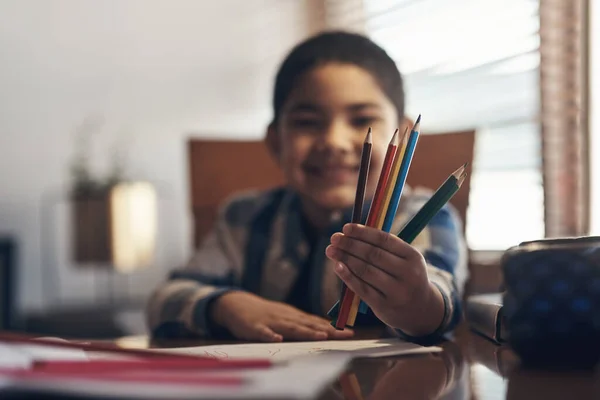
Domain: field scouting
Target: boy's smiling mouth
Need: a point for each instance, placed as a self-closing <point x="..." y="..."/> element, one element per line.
<point x="334" y="173"/>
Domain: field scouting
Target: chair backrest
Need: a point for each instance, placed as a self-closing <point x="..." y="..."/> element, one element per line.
<point x="220" y="168"/>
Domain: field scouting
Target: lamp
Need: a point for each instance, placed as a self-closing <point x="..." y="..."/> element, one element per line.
<point x="133" y="222"/>
<point x="117" y="227"/>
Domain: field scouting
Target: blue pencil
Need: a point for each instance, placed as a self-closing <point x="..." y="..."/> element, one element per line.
<point x="404" y="167"/>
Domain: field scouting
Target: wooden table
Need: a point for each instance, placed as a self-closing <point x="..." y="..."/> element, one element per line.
<point x="470" y="367"/>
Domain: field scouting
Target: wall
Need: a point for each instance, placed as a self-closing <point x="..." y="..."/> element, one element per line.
<point x="150" y="73"/>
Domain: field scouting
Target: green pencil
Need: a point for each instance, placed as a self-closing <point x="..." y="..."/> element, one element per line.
<point x="441" y="196"/>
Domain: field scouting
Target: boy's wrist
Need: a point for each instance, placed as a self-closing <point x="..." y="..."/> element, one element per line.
<point x="438" y="306"/>
<point x="218" y="312"/>
<point x="215" y="322"/>
<point x="430" y="317"/>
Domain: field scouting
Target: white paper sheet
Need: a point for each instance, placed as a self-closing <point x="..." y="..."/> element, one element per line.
<point x="13" y="355"/>
<point x="289" y="350"/>
<point x="10" y="357"/>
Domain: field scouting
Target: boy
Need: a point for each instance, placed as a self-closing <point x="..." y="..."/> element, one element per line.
<point x="272" y="265"/>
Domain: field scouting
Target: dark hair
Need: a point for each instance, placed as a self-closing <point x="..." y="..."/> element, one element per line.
<point x="344" y="48"/>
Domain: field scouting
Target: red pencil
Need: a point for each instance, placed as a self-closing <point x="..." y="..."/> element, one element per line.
<point x="82" y="367"/>
<point x="89" y="346"/>
<point x="383" y="178"/>
<point x="108" y="348"/>
<point x="348" y="297"/>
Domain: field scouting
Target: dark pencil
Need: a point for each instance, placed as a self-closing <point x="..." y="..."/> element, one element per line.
<point x="444" y="193"/>
<point x="359" y="200"/>
<point x="441" y="196"/>
<point x="363" y="174"/>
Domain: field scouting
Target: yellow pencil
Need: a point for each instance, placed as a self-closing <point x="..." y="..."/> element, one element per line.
<point x="353" y="311"/>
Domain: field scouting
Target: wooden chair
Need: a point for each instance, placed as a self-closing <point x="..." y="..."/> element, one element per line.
<point x="220" y="168"/>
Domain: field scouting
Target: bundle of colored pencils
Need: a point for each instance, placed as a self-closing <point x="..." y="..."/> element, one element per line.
<point x="385" y="204"/>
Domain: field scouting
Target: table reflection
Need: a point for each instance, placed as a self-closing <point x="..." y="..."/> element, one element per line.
<point x="428" y="376"/>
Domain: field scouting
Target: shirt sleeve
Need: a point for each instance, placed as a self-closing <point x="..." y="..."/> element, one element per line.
<point x="443" y="246"/>
<point x="179" y="307"/>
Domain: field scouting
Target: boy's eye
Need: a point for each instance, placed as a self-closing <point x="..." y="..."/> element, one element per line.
<point x="305" y="123"/>
<point x="364" y="121"/>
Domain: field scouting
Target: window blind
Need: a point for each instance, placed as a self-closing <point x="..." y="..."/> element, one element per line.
<point x="565" y="123"/>
<point x="593" y="45"/>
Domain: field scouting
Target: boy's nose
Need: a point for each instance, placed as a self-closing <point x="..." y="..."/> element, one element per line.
<point x="338" y="137"/>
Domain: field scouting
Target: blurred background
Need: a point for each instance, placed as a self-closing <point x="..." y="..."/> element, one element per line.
<point x="108" y="94"/>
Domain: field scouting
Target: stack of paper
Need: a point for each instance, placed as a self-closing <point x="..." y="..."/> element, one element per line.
<point x="303" y="379"/>
<point x="292" y="370"/>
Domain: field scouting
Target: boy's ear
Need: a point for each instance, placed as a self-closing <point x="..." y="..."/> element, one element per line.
<point x="273" y="142"/>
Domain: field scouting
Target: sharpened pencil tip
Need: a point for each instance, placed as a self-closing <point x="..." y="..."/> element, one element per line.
<point x="405" y="134"/>
<point x="461" y="179"/>
<point x="394" y="139"/>
<point x="460" y="171"/>
<point x="368" y="138"/>
<point x="417" y="124"/>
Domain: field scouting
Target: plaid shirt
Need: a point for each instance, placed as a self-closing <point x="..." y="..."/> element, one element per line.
<point x="258" y="245"/>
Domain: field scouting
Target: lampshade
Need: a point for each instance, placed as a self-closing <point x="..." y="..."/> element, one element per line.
<point x="133" y="225"/>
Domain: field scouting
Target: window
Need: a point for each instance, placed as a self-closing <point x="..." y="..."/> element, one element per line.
<point x="475" y="64"/>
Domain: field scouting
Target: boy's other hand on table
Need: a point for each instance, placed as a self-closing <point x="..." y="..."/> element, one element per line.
<point x="250" y="317"/>
<point x="390" y="275"/>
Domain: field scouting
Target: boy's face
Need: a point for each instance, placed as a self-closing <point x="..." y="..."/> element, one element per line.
<point x="319" y="137"/>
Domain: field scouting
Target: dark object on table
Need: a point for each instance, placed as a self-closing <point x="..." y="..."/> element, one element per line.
<point x="91" y="321"/>
<point x="552" y="301"/>
<point x="7" y="283"/>
<point x="484" y="315"/>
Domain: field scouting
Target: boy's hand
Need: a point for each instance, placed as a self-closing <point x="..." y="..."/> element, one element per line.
<point x="251" y="317"/>
<point x="390" y="276"/>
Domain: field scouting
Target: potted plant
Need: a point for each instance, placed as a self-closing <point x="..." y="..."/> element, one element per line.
<point x="90" y="205"/>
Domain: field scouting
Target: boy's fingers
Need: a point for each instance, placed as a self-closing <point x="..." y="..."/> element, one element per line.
<point x="375" y="278"/>
<point x="331" y="331"/>
<point x="322" y="325"/>
<point x="379" y="238"/>
<point x="264" y="333"/>
<point x="296" y="331"/>
<point x="358" y="286"/>
<point x="315" y="323"/>
<point x="374" y="255"/>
